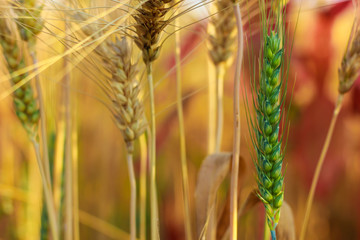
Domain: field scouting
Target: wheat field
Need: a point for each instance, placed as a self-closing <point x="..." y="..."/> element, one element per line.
<point x="179" y="119"/>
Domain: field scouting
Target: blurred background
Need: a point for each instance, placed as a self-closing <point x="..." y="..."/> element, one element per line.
<point x="320" y="39"/>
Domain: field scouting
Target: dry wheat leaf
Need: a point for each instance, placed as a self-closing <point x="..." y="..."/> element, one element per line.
<point x="286" y="227"/>
<point x="212" y="173"/>
<point x="248" y="203"/>
<point x="224" y="218"/>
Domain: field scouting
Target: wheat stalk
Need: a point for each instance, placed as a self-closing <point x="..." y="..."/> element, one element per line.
<point x="150" y="22"/>
<point x="268" y="105"/>
<point x="30" y="24"/>
<point x="221" y="40"/>
<point x="348" y="73"/>
<point x="237" y="126"/>
<point x="127" y="108"/>
<point x="27" y="110"/>
<point x="184" y="168"/>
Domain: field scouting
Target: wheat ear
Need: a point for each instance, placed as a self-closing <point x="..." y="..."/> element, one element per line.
<point x="26" y="108"/>
<point x="150" y="23"/>
<point x="221" y="39"/>
<point x="268" y="150"/>
<point x="349" y="71"/>
<point x="127" y="107"/>
<point x="30" y="24"/>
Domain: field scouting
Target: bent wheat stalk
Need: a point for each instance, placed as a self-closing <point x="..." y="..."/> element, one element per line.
<point x="348" y="73"/>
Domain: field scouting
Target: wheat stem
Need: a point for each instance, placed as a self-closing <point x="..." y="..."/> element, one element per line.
<point x="266" y="229"/>
<point x="43" y="127"/>
<point x="143" y="161"/>
<point x="68" y="162"/>
<point x="319" y="164"/>
<point x="75" y="161"/>
<point x="130" y="163"/>
<point x="273" y="234"/>
<point x="220" y="75"/>
<point x="212" y="109"/>
<point x="47" y="192"/>
<point x="184" y="167"/>
<point x="153" y="194"/>
<point x="236" y="141"/>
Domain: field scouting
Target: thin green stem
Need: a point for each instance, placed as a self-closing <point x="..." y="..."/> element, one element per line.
<point x="153" y="192"/>
<point x="143" y="152"/>
<point x="129" y="157"/>
<point x="184" y="167"/>
<point x="319" y="166"/>
<point x="236" y="141"/>
<point x="47" y="192"/>
<point x="220" y="74"/>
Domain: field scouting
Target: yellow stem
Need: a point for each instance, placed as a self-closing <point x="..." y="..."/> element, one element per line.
<point x="47" y="192"/>
<point x="236" y="142"/>
<point x="220" y="74"/>
<point x="153" y="194"/>
<point x="129" y="157"/>
<point x="184" y="167"/>
<point x="143" y="161"/>
<point x="212" y="109"/>
<point x="319" y="166"/>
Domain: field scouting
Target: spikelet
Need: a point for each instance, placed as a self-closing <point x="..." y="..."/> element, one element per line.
<point x="26" y="106"/>
<point x="150" y="22"/>
<point x="128" y="109"/>
<point x="29" y="20"/>
<point x="349" y="70"/>
<point x="268" y="143"/>
<point x="223" y="26"/>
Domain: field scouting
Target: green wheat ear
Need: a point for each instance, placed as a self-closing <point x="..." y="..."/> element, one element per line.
<point x="24" y="100"/>
<point x="268" y="144"/>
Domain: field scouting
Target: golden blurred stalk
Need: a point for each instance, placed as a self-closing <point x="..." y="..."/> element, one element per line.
<point x="48" y="193"/>
<point x="184" y="167"/>
<point x="143" y="163"/>
<point x="153" y="191"/>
